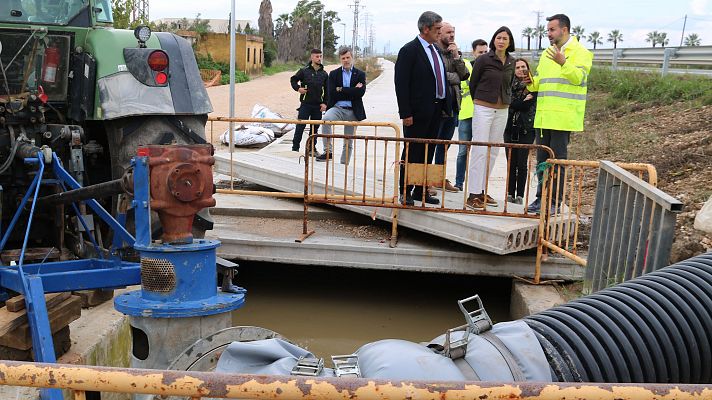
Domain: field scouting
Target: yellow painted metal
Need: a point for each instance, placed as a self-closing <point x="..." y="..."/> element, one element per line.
<point x="234" y="386"/>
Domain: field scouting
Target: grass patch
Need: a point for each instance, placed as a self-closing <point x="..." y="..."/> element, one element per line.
<point x="207" y="62"/>
<point x="281" y="67"/>
<point x="626" y="87"/>
<point x="370" y="66"/>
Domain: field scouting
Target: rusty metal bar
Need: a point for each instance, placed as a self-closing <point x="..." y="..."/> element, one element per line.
<point x="507" y="177"/>
<point x="234" y="386"/>
<point x="487" y="168"/>
<point x="565" y="253"/>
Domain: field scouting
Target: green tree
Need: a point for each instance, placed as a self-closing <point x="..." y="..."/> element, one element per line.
<point x="540" y="32"/>
<point x="121" y="10"/>
<point x="595" y="38"/>
<point x="201" y="26"/>
<point x="579" y="31"/>
<point x="693" y="40"/>
<point x="311" y="10"/>
<point x="652" y="37"/>
<point x="662" y="39"/>
<point x="528" y="33"/>
<point x="248" y="29"/>
<point x="615" y="36"/>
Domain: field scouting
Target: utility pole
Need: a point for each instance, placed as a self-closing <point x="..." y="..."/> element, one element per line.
<point x="683" y="30"/>
<point x="322" y="31"/>
<point x="366" y="50"/>
<point x="371" y="38"/>
<point x="538" y="18"/>
<point x="140" y="11"/>
<point x="344" y="38"/>
<point x="354" y="34"/>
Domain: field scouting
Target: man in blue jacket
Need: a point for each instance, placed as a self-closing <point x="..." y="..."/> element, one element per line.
<point x="347" y="85"/>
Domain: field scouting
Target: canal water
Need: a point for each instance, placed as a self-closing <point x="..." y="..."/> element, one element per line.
<point x="334" y="311"/>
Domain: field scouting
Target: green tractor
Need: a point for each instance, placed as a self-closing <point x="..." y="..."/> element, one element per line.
<point x="92" y="94"/>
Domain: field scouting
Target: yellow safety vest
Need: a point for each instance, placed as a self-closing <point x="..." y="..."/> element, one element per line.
<point x="467" y="107"/>
<point x="561" y="98"/>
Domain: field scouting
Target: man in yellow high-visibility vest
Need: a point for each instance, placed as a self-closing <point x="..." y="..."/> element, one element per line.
<point x="561" y="79"/>
<point x="467" y="108"/>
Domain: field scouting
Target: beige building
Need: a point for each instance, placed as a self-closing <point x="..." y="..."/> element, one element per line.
<point x="249" y="51"/>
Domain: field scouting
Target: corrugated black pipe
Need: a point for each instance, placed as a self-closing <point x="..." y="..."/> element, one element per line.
<point x="656" y="328"/>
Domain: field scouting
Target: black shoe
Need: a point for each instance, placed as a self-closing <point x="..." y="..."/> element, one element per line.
<point x="323" y="156"/>
<point x="428" y="199"/>
<point x="308" y="153"/>
<point x="408" y="200"/>
<point x="535" y="206"/>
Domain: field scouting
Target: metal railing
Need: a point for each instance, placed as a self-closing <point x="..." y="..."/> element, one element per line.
<point x="568" y="187"/>
<point x="371" y="178"/>
<point x="632" y="231"/>
<point x="664" y="56"/>
<point x="199" y="385"/>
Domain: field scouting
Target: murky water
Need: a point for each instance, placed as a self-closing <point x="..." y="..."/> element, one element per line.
<point x="335" y="311"/>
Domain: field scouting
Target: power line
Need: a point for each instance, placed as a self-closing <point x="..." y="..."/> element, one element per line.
<point x="354" y="35"/>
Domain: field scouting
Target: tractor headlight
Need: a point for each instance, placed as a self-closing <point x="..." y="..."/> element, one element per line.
<point x="142" y="33"/>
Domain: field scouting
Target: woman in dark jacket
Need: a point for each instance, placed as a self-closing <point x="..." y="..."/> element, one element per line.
<point x="520" y="129"/>
<point x="491" y="89"/>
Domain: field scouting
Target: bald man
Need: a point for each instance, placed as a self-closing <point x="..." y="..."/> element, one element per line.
<point x="456" y="72"/>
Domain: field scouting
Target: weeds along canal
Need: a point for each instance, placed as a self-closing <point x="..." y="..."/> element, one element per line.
<point x="336" y="310"/>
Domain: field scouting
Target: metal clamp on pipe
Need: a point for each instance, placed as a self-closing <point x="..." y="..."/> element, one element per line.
<point x="478" y="321"/>
<point x="308" y="366"/>
<point x="346" y="365"/>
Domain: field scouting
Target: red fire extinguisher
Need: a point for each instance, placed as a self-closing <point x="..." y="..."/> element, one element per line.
<point x="50" y="65"/>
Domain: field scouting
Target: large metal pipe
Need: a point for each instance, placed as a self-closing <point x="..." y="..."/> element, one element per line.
<point x="238" y="386"/>
<point x="655" y="328"/>
<point x="98" y="191"/>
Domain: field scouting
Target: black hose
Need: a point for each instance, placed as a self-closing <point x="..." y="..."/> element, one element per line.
<point x="656" y="328"/>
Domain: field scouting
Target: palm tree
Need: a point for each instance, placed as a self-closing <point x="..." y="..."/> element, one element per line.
<point x="539" y="32"/>
<point x="595" y="38"/>
<point x="692" y="40"/>
<point x="615" y="36"/>
<point x="528" y="33"/>
<point x="662" y="39"/>
<point x="578" y="31"/>
<point x="652" y="37"/>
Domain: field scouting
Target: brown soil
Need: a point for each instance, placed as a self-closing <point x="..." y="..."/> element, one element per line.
<point x="676" y="139"/>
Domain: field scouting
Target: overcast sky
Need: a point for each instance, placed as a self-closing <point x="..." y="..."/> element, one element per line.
<point x="394" y="21"/>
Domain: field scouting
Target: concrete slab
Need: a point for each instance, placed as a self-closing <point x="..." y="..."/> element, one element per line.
<point x="363" y="243"/>
<point x="267" y="207"/>
<point x="279" y="168"/>
<point x="528" y="299"/>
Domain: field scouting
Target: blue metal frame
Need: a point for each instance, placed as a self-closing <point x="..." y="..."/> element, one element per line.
<point x="34" y="280"/>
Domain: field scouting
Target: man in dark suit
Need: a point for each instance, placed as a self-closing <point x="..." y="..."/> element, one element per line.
<point x="421" y="90"/>
<point x="347" y="85"/>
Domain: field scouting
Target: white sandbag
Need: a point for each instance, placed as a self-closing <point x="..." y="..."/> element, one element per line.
<point x="260" y="111"/>
<point x="703" y="220"/>
<point x="248" y="135"/>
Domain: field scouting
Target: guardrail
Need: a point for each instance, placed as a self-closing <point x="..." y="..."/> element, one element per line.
<point x="633" y="228"/>
<point x="663" y="56"/>
<point x="199" y="385"/>
<point x="560" y="223"/>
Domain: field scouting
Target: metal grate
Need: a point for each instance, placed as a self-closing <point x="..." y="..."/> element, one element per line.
<point x="157" y="275"/>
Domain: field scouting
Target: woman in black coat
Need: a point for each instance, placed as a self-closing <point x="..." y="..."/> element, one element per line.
<point x="520" y="129"/>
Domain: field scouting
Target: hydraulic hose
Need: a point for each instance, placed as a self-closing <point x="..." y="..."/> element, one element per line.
<point x="656" y="328"/>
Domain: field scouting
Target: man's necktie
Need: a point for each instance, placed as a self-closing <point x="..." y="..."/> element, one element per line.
<point x="438" y="74"/>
